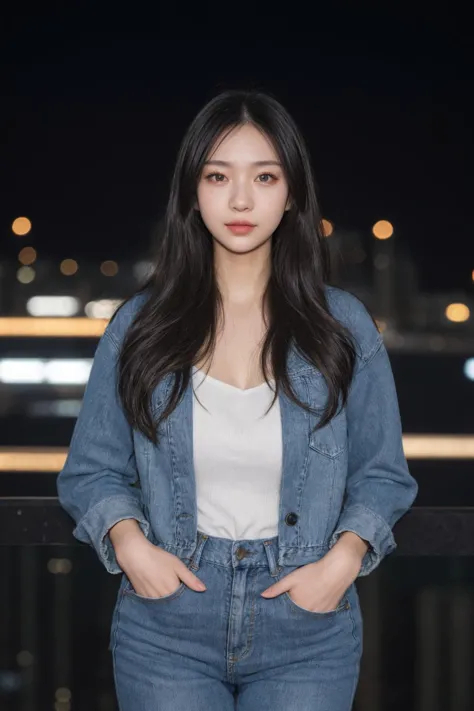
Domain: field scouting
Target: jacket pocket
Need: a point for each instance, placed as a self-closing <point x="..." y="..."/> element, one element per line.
<point x="331" y="440"/>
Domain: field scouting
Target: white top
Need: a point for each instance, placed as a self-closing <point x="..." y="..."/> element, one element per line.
<point x="237" y="459"/>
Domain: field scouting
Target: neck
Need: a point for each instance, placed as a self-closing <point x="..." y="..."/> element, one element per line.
<point x="242" y="278"/>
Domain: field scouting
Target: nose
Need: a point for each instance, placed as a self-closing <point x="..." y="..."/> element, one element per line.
<point x="241" y="198"/>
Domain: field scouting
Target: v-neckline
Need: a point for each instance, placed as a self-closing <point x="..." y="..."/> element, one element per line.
<point x="222" y="383"/>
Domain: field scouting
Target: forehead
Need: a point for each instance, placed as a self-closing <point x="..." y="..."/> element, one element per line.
<point x="243" y="144"/>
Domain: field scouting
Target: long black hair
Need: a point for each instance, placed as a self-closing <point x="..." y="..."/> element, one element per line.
<point x="177" y="324"/>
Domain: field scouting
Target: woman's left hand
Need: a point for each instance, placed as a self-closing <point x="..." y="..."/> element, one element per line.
<point x="320" y="586"/>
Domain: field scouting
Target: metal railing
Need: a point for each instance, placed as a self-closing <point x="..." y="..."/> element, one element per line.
<point x="423" y="531"/>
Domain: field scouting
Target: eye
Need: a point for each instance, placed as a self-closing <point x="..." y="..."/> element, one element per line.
<point x="215" y="177"/>
<point x="270" y="177"/>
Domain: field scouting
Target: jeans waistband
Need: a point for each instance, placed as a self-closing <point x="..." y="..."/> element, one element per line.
<point x="261" y="552"/>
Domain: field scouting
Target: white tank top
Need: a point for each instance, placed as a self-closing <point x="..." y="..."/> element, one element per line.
<point x="237" y="459"/>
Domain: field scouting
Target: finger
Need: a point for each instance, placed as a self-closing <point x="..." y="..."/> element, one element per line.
<point x="273" y="590"/>
<point x="280" y="587"/>
<point x="191" y="580"/>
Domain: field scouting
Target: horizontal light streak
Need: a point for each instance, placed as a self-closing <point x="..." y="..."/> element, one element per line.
<point x="31" y="327"/>
<point x="32" y="459"/>
<point x="62" y="306"/>
<point x="52" y="459"/>
<point x="56" y="371"/>
<point x="438" y="446"/>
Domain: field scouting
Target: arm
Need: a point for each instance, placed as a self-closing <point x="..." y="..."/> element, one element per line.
<point x="379" y="486"/>
<point x="96" y="484"/>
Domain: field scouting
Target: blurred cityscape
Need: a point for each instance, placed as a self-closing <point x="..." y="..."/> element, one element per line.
<point x="53" y="313"/>
<point x="56" y="601"/>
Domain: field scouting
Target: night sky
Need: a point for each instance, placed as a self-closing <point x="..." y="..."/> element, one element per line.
<point x="95" y="107"/>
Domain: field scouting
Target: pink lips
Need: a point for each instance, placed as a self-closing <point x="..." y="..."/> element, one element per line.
<point x="240" y="228"/>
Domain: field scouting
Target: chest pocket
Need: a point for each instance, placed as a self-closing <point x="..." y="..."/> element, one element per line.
<point x="331" y="440"/>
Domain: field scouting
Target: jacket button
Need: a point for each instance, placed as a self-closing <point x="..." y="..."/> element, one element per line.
<point x="291" y="518"/>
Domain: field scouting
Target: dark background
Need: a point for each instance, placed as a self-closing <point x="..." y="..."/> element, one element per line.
<point x="96" y="102"/>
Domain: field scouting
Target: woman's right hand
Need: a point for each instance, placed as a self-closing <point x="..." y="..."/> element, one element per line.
<point x="152" y="571"/>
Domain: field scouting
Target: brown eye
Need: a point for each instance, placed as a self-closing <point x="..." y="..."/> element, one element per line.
<point x="215" y="177"/>
<point x="270" y="177"/>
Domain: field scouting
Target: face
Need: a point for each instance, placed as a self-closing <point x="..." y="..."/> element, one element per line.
<point x="242" y="182"/>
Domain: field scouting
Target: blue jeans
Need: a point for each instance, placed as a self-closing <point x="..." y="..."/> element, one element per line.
<point x="228" y="648"/>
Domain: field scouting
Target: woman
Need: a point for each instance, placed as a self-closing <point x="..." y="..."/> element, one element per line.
<point x="238" y="456"/>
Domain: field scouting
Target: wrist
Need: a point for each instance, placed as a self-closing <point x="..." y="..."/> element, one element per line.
<point x="125" y="532"/>
<point x="351" y="544"/>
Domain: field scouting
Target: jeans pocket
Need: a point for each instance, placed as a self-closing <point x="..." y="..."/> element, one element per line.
<point x="342" y="606"/>
<point x="130" y="592"/>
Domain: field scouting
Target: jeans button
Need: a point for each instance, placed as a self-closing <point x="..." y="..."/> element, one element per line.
<point x="291" y="518"/>
<point x="241" y="553"/>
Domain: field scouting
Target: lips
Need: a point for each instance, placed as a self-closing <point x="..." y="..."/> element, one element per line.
<point x="240" y="228"/>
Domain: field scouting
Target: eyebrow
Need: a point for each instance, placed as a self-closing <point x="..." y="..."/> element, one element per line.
<point x="226" y="164"/>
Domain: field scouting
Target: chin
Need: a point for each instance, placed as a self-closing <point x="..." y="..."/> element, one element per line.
<point x="240" y="245"/>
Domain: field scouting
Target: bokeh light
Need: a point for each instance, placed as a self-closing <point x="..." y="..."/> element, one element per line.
<point x="24" y="658"/>
<point x="21" y="226"/>
<point x="328" y="227"/>
<point x="25" y="275"/>
<point x="59" y="566"/>
<point x="68" y="267"/>
<point x="27" y="255"/>
<point x="109" y="268"/>
<point x="469" y="369"/>
<point x="457" y="313"/>
<point x="383" y="229"/>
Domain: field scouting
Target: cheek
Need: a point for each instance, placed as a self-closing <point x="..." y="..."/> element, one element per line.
<point x="275" y="207"/>
<point x="209" y="204"/>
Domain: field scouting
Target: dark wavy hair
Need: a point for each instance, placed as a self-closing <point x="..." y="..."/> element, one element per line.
<point x="177" y="324"/>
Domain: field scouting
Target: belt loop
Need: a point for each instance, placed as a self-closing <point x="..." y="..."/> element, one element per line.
<point x="270" y="549"/>
<point x="196" y="556"/>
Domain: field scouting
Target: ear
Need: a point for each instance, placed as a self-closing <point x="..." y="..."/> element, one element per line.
<point x="288" y="205"/>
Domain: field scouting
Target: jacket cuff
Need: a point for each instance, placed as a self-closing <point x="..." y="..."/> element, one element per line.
<point x="371" y="528"/>
<point x="93" y="528"/>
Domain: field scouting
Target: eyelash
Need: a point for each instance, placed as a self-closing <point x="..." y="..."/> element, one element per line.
<point x="212" y="175"/>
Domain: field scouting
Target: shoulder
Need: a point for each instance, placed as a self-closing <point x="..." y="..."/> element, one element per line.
<point x="124" y="317"/>
<point x="350" y="311"/>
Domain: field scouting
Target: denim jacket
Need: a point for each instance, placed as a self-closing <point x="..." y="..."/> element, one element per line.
<point x="351" y="475"/>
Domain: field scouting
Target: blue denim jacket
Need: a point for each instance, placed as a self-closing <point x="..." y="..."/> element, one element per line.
<point x="351" y="475"/>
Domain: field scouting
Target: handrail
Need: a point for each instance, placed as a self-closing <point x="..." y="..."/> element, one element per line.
<point x="423" y="531"/>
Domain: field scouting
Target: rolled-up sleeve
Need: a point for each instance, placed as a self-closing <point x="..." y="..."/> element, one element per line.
<point x="380" y="488"/>
<point x="97" y="485"/>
